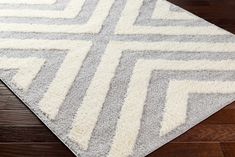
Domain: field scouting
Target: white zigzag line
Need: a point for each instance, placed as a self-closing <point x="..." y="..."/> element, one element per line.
<point x="71" y="11"/>
<point x="162" y="11"/>
<point x="126" y="24"/>
<point x="27" y="1"/>
<point x="177" y="99"/>
<point x="77" y="51"/>
<point x="130" y="117"/>
<point x="90" y="108"/>
<point x="93" y="25"/>
<point x="25" y="73"/>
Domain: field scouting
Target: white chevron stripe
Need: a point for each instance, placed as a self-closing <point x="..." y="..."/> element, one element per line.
<point x="162" y="11"/>
<point x="90" y="108"/>
<point x="177" y="99"/>
<point x="71" y="11"/>
<point x="93" y="25"/>
<point x="126" y="24"/>
<point x="128" y="126"/>
<point x="77" y="51"/>
<point x="27" y="1"/>
<point x="55" y="96"/>
<point x="25" y="73"/>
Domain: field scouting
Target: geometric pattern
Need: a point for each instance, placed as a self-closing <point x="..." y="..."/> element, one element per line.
<point x="115" y="78"/>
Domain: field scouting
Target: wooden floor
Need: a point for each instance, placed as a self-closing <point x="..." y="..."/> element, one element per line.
<point x="23" y="135"/>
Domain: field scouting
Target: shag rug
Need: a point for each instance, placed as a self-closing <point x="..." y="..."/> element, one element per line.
<point x="115" y="78"/>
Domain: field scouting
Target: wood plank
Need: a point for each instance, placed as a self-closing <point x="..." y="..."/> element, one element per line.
<point x="34" y="149"/>
<point x="216" y="12"/>
<point x="8" y="101"/>
<point x="4" y="89"/>
<point x="26" y="134"/>
<point x="231" y="106"/>
<point x="228" y="149"/>
<point x="11" y="103"/>
<point x="18" y="117"/>
<point x="188" y="150"/>
<point x="209" y="132"/>
<point x="225" y="116"/>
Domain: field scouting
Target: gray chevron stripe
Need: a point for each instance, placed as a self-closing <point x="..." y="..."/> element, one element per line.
<point x="106" y="91"/>
<point x="116" y="96"/>
<point x="146" y="12"/>
<point x="53" y="61"/>
<point x="208" y="103"/>
<point x="82" y="17"/>
<point x="58" y="5"/>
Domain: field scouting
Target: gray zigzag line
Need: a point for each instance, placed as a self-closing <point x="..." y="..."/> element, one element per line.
<point x="59" y="5"/>
<point x="81" y="18"/>
<point x="150" y="123"/>
<point x="145" y="19"/>
<point x="112" y="97"/>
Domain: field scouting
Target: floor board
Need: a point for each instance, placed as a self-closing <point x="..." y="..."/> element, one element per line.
<point x="24" y="117"/>
<point x="26" y="134"/>
<point x="36" y="149"/>
<point x="189" y="150"/>
<point x="228" y="149"/>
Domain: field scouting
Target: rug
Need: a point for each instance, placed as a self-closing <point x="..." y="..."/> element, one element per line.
<point x="115" y="78"/>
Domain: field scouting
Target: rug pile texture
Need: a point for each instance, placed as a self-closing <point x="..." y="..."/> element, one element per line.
<point x="115" y="78"/>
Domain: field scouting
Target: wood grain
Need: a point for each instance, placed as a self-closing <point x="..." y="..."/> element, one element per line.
<point x="209" y="133"/>
<point x="24" y="117"/>
<point x="228" y="149"/>
<point x="8" y="101"/>
<point x="23" y="135"/>
<point x="26" y="134"/>
<point x="36" y="149"/>
<point x="189" y="150"/>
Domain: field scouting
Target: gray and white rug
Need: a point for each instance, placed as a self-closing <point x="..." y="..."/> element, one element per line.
<point x="115" y="78"/>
